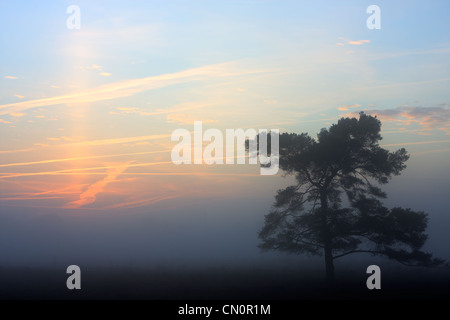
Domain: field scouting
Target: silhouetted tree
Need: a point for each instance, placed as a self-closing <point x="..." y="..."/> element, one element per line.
<point x="344" y="165"/>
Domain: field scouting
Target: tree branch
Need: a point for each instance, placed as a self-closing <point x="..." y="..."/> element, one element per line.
<point x="308" y="243"/>
<point x="308" y="176"/>
<point x="358" y="251"/>
<point x="376" y="252"/>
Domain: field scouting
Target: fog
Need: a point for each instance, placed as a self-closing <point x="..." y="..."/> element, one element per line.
<point x="218" y="233"/>
<point x="210" y="232"/>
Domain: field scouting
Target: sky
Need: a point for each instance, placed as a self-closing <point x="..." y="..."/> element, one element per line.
<point x="86" y="117"/>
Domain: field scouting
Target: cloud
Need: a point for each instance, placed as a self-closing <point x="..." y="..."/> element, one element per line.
<point x="428" y="118"/>
<point x="38" y="145"/>
<point x="181" y="118"/>
<point x="359" y="42"/>
<point x="446" y="130"/>
<point x="10" y="77"/>
<point x="142" y="143"/>
<point x="70" y="139"/>
<point x="78" y="158"/>
<point x="76" y="138"/>
<point x="351" y="42"/>
<point x="16" y="150"/>
<point x="413" y="143"/>
<point x="270" y="101"/>
<point x="4" y="175"/>
<point x="91" y="67"/>
<point x="17" y="114"/>
<point x="346" y="107"/>
<point x="90" y="195"/>
<point x="20" y="198"/>
<point x="127" y="108"/>
<point x="98" y="68"/>
<point x="174" y="109"/>
<point x="77" y="171"/>
<point x="19" y="96"/>
<point x="4" y="121"/>
<point x="96" y="142"/>
<point x="119" y="140"/>
<point x="130" y="87"/>
<point x="47" y="191"/>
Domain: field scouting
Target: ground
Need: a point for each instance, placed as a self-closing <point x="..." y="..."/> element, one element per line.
<point x="220" y="283"/>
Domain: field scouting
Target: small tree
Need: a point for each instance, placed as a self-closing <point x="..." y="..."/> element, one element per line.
<point x="344" y="165"/>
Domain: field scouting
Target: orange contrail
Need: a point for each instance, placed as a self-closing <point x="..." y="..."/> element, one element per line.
<point x="130" y="87"/>
<point x="98" y="142"/>
<point x="30" y="198"/>
<point x="79" y="158"/>
<point x="117" y="140"/>
<point x="13" y="175"/>
<point x="56" y="173"/>
<point x="18" y="150"/>
<point x="90" y="194"/>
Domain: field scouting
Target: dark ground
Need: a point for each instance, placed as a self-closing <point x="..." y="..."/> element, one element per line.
<point x="219" y="284"/>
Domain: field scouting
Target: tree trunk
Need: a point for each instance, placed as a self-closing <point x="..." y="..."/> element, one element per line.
<point x="329" y="265"/>
<point x="326" y="238"/>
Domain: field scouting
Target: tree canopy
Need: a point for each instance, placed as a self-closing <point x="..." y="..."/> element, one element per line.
<point x="334" y="208"/>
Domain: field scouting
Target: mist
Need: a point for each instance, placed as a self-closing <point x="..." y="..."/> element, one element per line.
<point x="207" y="233"/>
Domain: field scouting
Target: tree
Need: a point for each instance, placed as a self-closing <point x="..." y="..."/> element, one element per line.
<point x="345" y="165"/>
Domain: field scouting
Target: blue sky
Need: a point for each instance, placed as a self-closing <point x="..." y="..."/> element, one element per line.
<point x="91" y="110"/>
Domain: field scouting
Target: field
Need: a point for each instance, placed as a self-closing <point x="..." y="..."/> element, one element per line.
<point x="249" y="283"/>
